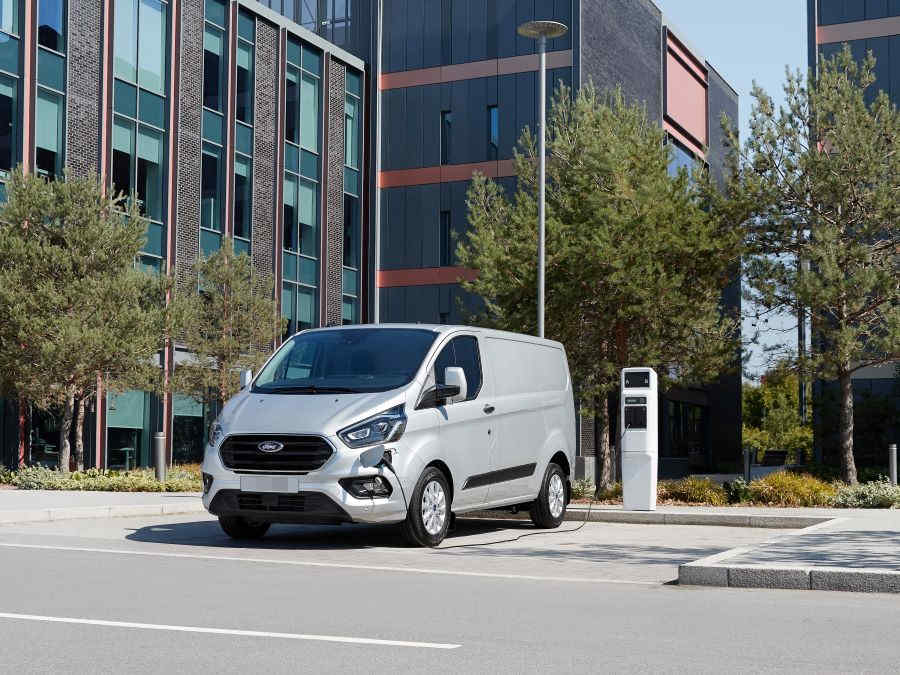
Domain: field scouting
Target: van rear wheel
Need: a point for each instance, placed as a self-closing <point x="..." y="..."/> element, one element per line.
<point x="428" y="516"/>
<point x="237" y="527"/>
<point x="549" y="509"/>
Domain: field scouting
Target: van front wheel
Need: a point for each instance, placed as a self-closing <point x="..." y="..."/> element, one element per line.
<point x="549" y="509"/>
<point x="428" y="517"/>
<point x="237" y="527"/>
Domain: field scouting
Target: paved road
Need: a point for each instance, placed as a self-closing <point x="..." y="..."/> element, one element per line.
<point x="162" y="594"/>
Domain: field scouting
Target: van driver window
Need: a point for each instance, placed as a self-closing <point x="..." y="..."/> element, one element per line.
<point x="461" y="352"/>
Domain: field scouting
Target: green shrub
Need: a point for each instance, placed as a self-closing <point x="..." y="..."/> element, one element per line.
<point x="610" y="494"/>
<point x="757" y="440"/>
<point x="6" y="476"/>
<point x="582" y="489"/>
<point x="875" y="495"/>
<point x="737" y="491"/>
<point x="798" y="441"/>
<point x="179" y="479"/>
<point x="784" y="488"/>
<point x="692" y="491"/>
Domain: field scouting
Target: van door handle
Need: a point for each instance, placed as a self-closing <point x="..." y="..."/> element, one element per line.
<point x="488" y="409"/>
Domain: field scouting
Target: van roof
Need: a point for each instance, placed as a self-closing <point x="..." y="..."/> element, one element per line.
<point x="443" y="328"/>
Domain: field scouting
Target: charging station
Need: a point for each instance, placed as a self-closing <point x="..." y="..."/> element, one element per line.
<point x="638" y="417"/>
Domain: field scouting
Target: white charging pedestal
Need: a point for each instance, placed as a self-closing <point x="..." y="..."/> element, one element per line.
<point x="638" y="420"/>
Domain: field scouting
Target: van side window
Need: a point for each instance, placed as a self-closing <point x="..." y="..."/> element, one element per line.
<point x="461" y="352"/>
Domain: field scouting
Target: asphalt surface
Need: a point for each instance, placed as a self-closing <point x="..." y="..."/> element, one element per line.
<point x="164" y="593"/>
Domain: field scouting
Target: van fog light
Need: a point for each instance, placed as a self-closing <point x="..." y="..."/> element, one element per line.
<point x="207" y="483"/>
<point x="367" y="487"/>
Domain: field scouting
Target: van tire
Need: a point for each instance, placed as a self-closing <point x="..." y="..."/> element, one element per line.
<point x="542" y="508"/>
<point x="238" y="527"/>
<point x="414" y="527"/>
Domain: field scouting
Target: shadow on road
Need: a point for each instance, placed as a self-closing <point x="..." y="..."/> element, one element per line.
<point x="837" y="548"/>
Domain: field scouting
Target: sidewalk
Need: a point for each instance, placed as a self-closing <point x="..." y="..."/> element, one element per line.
<point x="25" y="506"/>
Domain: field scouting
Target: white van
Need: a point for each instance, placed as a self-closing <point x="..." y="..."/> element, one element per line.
<point x="395" y="423"/>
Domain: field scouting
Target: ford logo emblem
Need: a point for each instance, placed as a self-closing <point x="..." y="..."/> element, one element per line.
<point x="270" y="446"/>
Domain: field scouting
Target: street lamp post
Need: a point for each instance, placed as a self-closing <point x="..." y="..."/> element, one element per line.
<point x="542" y="31"/>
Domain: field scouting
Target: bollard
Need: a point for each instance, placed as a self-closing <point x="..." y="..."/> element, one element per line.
<point x="747" y="454"/>
<point x="159" y="455"/>
<point x="892" y="462"/>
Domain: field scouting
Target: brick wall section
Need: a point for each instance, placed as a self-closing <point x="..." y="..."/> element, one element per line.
<point x="266" y="138"/>
<point x="187" y="238"/>
<point x="83" y="90"/>
<point x="334" y="187"/>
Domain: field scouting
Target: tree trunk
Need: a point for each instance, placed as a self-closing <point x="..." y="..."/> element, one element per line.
<point x="79" y="436"/>
<point x="29" y="419"/>
<point x="65" y="450"/>
<point x="848" y="464"/>
<point x="603" y="469"/>
<point x="23" y="434"/>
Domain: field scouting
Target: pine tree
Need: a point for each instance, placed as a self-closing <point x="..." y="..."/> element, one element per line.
<point x="635" y="266"/>
<point x="819" y="181"/>
<point x="228" y="325"/>
<point x="74" y="305"/>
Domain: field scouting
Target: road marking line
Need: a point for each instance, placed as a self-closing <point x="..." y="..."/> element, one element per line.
<point x="349" y="566"/>
<point x="230" y="631"/>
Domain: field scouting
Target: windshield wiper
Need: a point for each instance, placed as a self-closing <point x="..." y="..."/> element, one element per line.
<point x="309" y="389"/>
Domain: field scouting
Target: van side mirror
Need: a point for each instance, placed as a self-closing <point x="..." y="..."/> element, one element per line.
<point x="246" y="378"/>
<point x="437" y="395"/>
<point x="455" y="376"/>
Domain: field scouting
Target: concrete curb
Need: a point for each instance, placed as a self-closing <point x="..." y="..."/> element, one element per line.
<point x="716" y="571"/>
<point x="77" y="512"/>
<point x="664" y="518"/>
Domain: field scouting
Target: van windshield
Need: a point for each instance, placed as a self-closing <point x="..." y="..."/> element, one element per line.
<point x="346" y="361"/>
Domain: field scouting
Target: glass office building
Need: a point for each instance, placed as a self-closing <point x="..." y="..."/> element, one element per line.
<point x="334" y="142"/>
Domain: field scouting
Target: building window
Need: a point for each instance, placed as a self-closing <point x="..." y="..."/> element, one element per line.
<point x="446" y="240"/>
<point x="213" y="68"/>
<point x="244" y="110"/>
<point x="338" y="18"/>
<point x="446" y="129"/>
<point x="493" y="128"/>
<point x="300" y="255"/>
<point x="8" y="123"/>
<point x="9" y="90"/>
<point x="309" y="18"/>
<point x="140" y="120"/>
<point x="352" y="224"/>
<point x="51" y="23"/>
<point x="211" y="188"/>
<point x="351" y="131"/>
<point x="51" y="103"/>
<point x="243" y="190"/>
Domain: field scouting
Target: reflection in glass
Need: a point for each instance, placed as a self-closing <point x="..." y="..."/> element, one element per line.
<point x="51" y="18"/>
<point x="309" y="113"/>
<point x="123" y="151"/>
<point x="244" y="110"/>
<point x="308" y="203"/>
<point x="8" y="87"/>
<point x="351" y="130"/>
<point x="49" y="134"/>
<point x="243" y="187"/>
<point x="210" y="194"/>
<point x="292" y="103"/>
<point x="126" y="12"/>
<point x="213" y="69"/>
<point x="290" y="213"/>
<point x="153" y="46"/>
<point x="150" y="173"/>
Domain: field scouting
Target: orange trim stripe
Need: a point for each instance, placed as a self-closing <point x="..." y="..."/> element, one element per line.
<point x="427" y="276"/>
<point x="677" y="48"/>
<point x="684" y="139"/>
<point x="446" y="173"/>
<point x="858" y="30"/>
<point x="473" y="70"/>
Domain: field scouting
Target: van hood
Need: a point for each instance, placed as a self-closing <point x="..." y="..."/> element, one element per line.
<point x="320" y="414"/>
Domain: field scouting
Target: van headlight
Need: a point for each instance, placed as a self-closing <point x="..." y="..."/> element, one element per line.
<point x="381" y="428"/>
<point x="215" y="432"/>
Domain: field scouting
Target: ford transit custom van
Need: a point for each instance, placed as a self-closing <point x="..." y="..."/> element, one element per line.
<point x="408" y="424"/>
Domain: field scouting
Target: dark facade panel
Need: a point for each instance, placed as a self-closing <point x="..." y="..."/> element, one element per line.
<point x="428" y="33"/>
<point x="83" y="91"/>
<point x="886" y="51"/>
<point x="722" y="99"/>
<point x="446" y="303"/>
<point x="845" y="11"/>
<point x="622" y="45"/>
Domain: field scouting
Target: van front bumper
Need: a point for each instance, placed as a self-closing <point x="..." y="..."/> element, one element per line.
<point x="320" y="499"/>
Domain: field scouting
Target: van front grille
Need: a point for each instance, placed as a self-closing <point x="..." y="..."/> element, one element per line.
<point x="298" y="454"/>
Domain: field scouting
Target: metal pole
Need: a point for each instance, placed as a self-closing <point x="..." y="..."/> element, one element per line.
<point x="159" y="455"/>
<point x="892" y="462"/>
<point x="801" y="350"/>
<point x="747" y="453"/>
<point x="542" y="94"/>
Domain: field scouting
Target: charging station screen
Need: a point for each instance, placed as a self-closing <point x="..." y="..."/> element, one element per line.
<point x="637" y="380"/>
<point x="635" y="417"/>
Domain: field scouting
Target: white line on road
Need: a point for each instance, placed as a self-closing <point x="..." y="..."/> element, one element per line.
<point x="230" y="631"/>
<point x="348" y="566"/>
